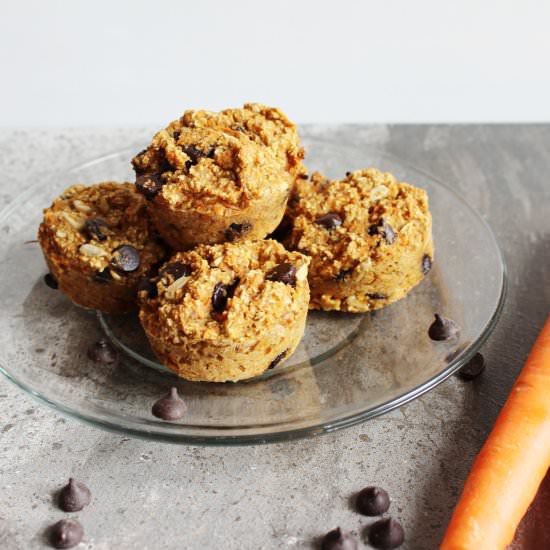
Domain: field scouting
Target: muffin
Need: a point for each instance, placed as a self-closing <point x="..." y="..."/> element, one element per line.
<point x="369" y="238"/>
<point x="98" y="242"/>
<point x="217" y="177"/>
<point x="226" y="312"/>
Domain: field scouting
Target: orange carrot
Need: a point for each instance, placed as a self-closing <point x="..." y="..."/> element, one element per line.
<point x="511" y="465"/>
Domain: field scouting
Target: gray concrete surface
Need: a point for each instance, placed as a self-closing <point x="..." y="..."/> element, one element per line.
<point x="150" y="496"/>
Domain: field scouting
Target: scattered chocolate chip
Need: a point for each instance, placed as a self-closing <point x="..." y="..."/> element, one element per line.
<point x="283" y="273"/>
<point x="149" y="185"/>
<point x="103" y="276"/>
<point x="221" y="295"/>
<point x="443" y="329"/>
<point x="92" y="228"/>
<point x="235" y="230"/>
<point x="348" y="174"/>
<point x="338" y="540"/>
<point x="74" y="496"/>
<point x="343" y="274"/>
<point x="146" y="288"/>
<point x="383" y="229"/>
<point x="329" y="221"/>
<point x="277" y="359"/>
<point x="195" y="154"/>
<point x="386" y="534"/>
<point x="303" y="176"/>
<point x="176" y="270"/>
<point x="377" y="296"/>
<point x="176" y="135"/>
<point x="50" y="281"/>
<point x="66" y="533"/>
<point x="372" y="501"/>
<point x="426" y="264"/>
<point x="170" y="407"/>
<point x="125" y="258"/>
<point x="282" y="231"/>
<point x="473" y="368"/>
<point x="102" y="352"/>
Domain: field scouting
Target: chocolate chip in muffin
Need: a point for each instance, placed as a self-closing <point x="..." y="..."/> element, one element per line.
<point x="473" y="368"/>
<point x="283" y="273"/>
<point x="239" y="129"/>
<point x="170" y="407"/>
<point x="102" y="352"/>
<point x="236" y="230"/>
<point x="372" y="501"/>
<point x="50" y="281"/>
<point x="426" y="264"/>
<point x="176" y="270"/>
<point x="74" y="496"/>
<point x="443" y="329"/>
<point x="92" y="229"/>
<point x="149" y="185"/>
<point x="146" y="288"/>
<point x="176" y="135"/>
<point x="343" y="274"/>
<point x="277" y="359"/>
<point x="221" y="295"/>
<point x="338" y="540"/>
<point x="384" y="229"/>
<point x="103" y="276"/>
<point x="376" y="296"/>
<point x="195" y="154"/>
<point x="66" y="533"/>
<point x="332" y="220"/>
<point x="386" y="534"/>
<point x="125" y="258"/>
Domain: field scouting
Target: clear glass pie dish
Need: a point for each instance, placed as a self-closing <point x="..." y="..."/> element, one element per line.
<point x="348" y="368"/>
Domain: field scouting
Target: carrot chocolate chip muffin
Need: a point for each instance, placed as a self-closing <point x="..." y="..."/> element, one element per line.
<point x="98" y="242"/>
<point x="217" y="177"/>
<point x="368" y="235"/>
<point x="226" y="312"/>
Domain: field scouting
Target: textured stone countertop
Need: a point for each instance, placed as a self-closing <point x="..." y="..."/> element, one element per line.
<point x="151" y="496"/>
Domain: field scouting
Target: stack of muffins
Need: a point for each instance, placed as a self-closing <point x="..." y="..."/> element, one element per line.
<point x="223" y="236"/>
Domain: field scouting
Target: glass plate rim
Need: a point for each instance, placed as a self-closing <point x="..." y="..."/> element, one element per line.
<point x="316" y="429"/>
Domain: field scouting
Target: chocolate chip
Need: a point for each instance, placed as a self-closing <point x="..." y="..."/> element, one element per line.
<point x="176" y="270"/>
<point x="443" y="328"/>
<point x="283" y="273"/>
<point x="50" y="281"/>
<point x="125" y="258"/>
<point x="338" y="540"/>
<point x="92" y="228"/>
<point x="170" y="407"/>
<point x="74" y="496"/>
<point x="473" y="368"/>
<point x="103" y="276"/>
<point x="343" y="274"/>
<point x="235" y="230"/>
<point x="195" y="154"/>
<point x="386" y="534"/>
<point x="66" y="533"/>
<point x="426" y="264"/>
<point x="277" y="359"/>
<point x="239" y="129"/>
<point x="149" y="185"/>
<point x="221" y="295"/>
<point x="146" y="288"/>
<point x="348" y="174"/>
<point x="176" y="135"/>
<point x="377" y="296"/>
<point x="372" y="501"/>
<point x="303" y="176"/>
<point x="329" y="221"/>
<point x="383" y="229"/>
<point x="102" y="352"/>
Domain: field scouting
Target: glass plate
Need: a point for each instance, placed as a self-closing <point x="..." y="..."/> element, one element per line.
<point x="347" y="369"/>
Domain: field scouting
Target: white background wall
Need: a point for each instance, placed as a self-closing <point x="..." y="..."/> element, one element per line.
<point x="107" y="62"/>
